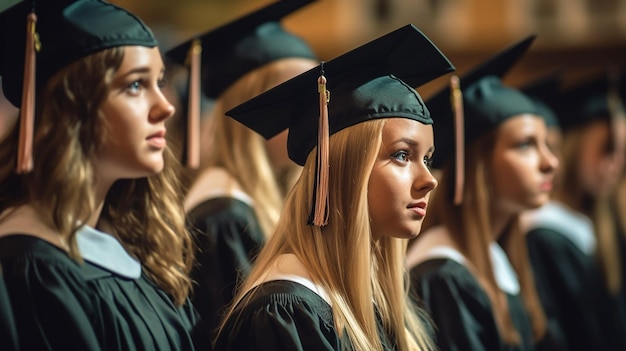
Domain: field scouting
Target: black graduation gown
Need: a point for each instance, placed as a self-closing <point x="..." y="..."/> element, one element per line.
<point x="8" y="333"/>
<point x="461" y="310"/>
<point x="227" y="237"/>
<point x="569" y="286"/>
<point x="285" y="315"/>
<point x="612" y="309"/>
<point x="60" y="304"/>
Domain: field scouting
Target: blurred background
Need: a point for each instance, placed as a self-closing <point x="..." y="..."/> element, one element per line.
<point x="579" y="36"/>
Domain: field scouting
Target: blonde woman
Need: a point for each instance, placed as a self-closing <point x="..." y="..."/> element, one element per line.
<point x="331" y="277"/>
<point x="236" y="195"/>
<point x="93" y="244"/>
<point x="470" y="267"/>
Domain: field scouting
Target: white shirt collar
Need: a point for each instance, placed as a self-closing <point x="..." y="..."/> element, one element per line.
<point x="575" y="226"/>
<point x="105" y="251"/>
<point x="503" y="272"/>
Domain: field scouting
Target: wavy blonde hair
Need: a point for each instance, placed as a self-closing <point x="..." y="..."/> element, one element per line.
<point x="242" y="152"/>
<point x="470" y="227"/>
<point x="356" y="271"/>
<point x="146" y="213"/>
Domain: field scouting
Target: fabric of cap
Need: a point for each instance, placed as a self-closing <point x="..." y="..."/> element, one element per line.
<point x="439" y="104"/>
<point x="242" y="45"/>
<point x="546" y="93"/>
<point x="586" y="101"/>
<point x="375" y="80"/>
<point x="68" y="31"/>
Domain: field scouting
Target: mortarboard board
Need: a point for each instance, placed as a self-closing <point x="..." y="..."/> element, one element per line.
<point x="55" y="34"/>
<point x="234" y="49"/>
<point x="595" y="98"/>
<point x="373" y="81"/>
<point x="546" y="91"/>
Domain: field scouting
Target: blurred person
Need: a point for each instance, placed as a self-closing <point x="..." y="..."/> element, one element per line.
<point x="236" y="195"/>
<point x="573" y="241"/>
<point x="469" y="267"/>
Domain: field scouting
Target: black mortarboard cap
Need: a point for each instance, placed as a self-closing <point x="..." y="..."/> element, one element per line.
<point x="486" y="102"/>
<point x="68" y="30"/>
<point x="375" y="80"/>
<point x="244" y="44"/>
<point x="546" y="92"/>
<point x="590" y="100"/>
<point x="38" y="38"/>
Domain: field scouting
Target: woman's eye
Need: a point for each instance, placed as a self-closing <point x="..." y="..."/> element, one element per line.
<point x="134" y="86"/>
<point x="401" y="155"/>
<point x="161" y="83"/>
<point x="428" y="161"/>
<point x="524" y="144"/>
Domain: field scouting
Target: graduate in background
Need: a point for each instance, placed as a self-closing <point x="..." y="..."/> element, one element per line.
<point x="573" y="241"/>
<point x="237" y="193"/>
<point x="93" y="244"/>
<point x="469" y="267"/>
<point x="332" y="277"/>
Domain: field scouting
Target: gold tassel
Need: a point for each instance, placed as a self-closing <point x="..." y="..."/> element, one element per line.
<point x="27" y="111"/>
<point x="193" y="115"/>
<point x="321" y="202"/>
<point x="456" y="97"/>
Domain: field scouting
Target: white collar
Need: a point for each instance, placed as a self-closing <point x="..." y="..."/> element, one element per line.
<point x="105" y="251"/>
<point x="575" y="226"/>
<point x="503" y="272"/>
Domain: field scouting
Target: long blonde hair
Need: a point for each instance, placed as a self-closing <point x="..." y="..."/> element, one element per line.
<point x="146" y="213"/>
<point x="342" y="257"/>
<point x="470" y="227"/>
<point x="242" y="152"/>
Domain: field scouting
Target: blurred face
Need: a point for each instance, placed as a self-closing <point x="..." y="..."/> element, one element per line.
<point x="135" y="110"/>
<point x="401" y="182"/>
<point x="523" y="166"/>
<point x="601" y="161"/>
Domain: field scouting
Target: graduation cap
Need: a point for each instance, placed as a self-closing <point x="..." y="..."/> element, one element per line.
<point x="39" y="38"/>
<point x="595" y="98"/>
<point x="484" y="103"/>
<point x="235" y="49"/>
<point x="373" y="81"/>
<point x="547" y="94"/>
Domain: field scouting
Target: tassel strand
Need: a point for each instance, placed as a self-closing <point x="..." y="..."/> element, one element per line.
<point x="321" y="201"/>
<point x="27" y="111"/>
<point x="456" y="97"/>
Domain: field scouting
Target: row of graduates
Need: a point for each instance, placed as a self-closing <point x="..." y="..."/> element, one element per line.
<point x="106" y="243"/>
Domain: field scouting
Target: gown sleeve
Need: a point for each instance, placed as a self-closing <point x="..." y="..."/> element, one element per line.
<point x="281" y="321"/>
<point x="567" y="284"/>
<point x="460" y="310"/>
